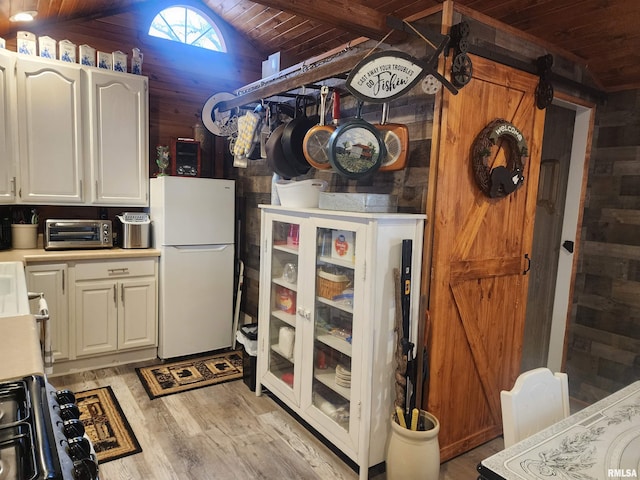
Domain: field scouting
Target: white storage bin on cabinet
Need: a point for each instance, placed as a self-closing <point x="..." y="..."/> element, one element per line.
<point x="336" y="319"/>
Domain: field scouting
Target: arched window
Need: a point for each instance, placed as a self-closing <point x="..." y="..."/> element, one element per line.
<point x="187" y="25"/>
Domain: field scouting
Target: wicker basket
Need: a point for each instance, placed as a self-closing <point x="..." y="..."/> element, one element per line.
<point x="329" y="285"/>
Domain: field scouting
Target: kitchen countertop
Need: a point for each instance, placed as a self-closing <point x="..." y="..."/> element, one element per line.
<point x="20" y="353"/>
<point x="35" y="255"/>
<point x="19" y="332"/>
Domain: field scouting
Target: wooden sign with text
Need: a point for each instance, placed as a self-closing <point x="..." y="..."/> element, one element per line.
<point x="384" y="76"/>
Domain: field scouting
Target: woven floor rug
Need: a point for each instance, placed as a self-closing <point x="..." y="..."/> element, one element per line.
<point x="175" y="377"/>
<point x="106" y="425"/>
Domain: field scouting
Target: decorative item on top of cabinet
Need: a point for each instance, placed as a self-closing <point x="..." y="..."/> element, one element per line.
<point x="326" y="290"/>
<point x="162" y="159"/>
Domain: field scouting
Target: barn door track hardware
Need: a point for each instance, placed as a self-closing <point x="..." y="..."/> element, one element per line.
<point x="440" y="44"/>
<point x="461" y="66"/>
<point x="544" y="89"/>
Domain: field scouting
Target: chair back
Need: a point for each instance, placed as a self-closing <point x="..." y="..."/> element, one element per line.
<point x="538" y="399"/>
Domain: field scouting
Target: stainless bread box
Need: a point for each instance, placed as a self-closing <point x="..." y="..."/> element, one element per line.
<point x="135" y="230"/>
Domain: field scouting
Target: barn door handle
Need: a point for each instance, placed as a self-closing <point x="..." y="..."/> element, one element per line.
<point x="526" y="257"/>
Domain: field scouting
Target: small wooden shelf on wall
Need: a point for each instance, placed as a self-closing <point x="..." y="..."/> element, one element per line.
<point x="185" y="157"/>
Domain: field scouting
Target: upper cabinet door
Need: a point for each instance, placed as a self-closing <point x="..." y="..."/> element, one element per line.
<point x="118" y="138"/>
<point x="50" y="132"/>
<point x="8" y="141"/>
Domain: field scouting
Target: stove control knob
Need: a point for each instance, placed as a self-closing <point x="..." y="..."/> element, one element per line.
<point x="85" y="469"/>
<point x="69" y="411"/>
<point x="79" y="448"/>
<point x="73" y="428"/>
<point x="65" y="396"/>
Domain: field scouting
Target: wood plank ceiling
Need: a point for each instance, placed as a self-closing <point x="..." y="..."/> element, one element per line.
<point x="602" y="34"/>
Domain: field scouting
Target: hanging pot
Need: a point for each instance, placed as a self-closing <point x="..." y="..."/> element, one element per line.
<point x="293" y="137"/>
<point x="356" y="148"/>
<point x="396" y="141"/>
<point x="276" y="160"/>
<point x="316" y="140"/>
<point x="275" y="156"/>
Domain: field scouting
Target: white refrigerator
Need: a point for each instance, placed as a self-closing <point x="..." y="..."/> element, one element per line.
<point x="193" y="225"/>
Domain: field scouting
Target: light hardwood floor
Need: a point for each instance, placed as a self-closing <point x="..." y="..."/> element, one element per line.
<point x="226" y="432"/>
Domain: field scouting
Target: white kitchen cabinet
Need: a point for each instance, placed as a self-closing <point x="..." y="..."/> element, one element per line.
<point x="50" y="132"/>
<point x="8" y="131"/>
<point x="115" y="306"/>
<point x="51" y="279"/>
<point x="117" y="137"/>
<point x="72" y="135"/>
<point x="326" y="314"/>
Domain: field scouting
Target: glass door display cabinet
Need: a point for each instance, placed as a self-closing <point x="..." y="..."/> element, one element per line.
<point x="327" y="317"/>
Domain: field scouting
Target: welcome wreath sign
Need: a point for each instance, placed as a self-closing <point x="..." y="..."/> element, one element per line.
<point x="502" y="180"/>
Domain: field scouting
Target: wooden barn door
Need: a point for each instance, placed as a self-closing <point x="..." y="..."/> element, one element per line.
<point x="478" y="292"/>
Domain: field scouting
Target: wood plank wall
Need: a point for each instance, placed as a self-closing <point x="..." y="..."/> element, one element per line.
<point x="604" y="340"/>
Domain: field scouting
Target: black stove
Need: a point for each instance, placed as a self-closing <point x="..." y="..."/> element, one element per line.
<point x="41" y="436"/>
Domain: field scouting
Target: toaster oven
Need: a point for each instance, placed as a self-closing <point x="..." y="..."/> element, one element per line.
<point x="73" y="234"/>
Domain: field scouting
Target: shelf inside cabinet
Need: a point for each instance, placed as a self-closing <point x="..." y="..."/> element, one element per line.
<point x="339" y="306"/>
<point x="287" y="248"/>
<point x="288" y="318"/>
<point x="328" y="378"/>
<point x="283" y="283"/>
<point x="277" y="350"/>
<point x="336" y="343"/>
<point x="337" y="261"/>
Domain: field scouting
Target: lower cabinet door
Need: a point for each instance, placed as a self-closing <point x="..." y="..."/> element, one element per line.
<point x="136" y="313"/>
<point x="96" y="317"/>
<point x="50" y="279"/>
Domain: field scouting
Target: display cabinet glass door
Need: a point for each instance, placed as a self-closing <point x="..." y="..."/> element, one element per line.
<point x="283" y="338"/>
<point x="333" y="327"/>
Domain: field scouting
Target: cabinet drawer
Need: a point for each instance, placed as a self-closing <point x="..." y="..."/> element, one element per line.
<point x="115" y="269"/>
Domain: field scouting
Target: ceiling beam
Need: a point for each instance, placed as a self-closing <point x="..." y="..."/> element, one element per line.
<point x="344" y="15"/>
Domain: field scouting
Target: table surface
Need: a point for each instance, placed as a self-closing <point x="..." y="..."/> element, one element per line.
<point x="599" y="442"/>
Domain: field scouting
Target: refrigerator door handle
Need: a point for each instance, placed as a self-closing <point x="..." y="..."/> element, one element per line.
<point x="201" y="248"/>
